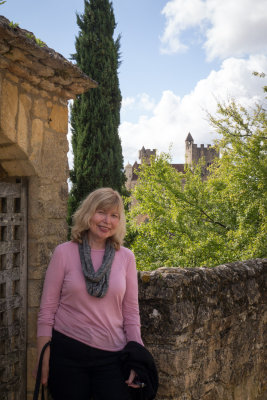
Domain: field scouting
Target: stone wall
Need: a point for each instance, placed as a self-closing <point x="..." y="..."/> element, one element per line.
<point x="33" y="129"/>
<point x="207" y="329"/>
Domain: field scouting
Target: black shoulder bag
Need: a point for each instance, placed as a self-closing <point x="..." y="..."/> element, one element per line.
<point x="39" y="375"/>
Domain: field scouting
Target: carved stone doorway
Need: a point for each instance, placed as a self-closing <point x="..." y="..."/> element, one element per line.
<point x="13" y="288"/>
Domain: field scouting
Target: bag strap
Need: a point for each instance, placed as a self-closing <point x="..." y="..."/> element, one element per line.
<point x="39" y="375"/>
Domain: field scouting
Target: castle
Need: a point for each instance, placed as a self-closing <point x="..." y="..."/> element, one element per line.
<point x="193" y="154"/>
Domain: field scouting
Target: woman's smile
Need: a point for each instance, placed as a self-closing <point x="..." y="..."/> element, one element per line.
<point x="103" y="225"/>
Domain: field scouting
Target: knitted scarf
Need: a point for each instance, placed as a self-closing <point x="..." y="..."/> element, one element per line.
<point x="96" y="282"/>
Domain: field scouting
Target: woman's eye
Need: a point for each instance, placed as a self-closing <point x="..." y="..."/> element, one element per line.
<point x="115" y="216"/>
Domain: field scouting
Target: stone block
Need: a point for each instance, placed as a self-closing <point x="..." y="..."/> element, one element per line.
<point x="35" y="205"/>
<point x="4" y="48"/>
<point x="36" y="142"/>
<point x="4" y="140"/>
<point x="63" y="101"/>
<point x="67" y="94"/>
<point x="45" y="94"/>
<point x="32" y="253"/>
<point x="47" y="202"/>
<point x="31" y="365"/>
<point x="20" y="71"/>
<point x="54" y="156"/>
<point x="37" y="272"/>
<point x="42" y="70"/>
<point x="47" y="85"/>
<point x="4" y="63"/>
<point x="16" y="54"/>
<point x="18" y="168"/>
<point x="9" y="109"/>
<point x="40" y="109"/>
<point x="24" y="123"/>
<point x="40" y="253"/>
<point x="43" y="227"/>
<point x="59" y="118"/>
<point x="32" y="325"/>
<point x="10" y="152"/>
<point x="52" y="210"/>
<point x="34" y="292"/>
<point x="12" y="77"/>
<point x="29" y="88"/>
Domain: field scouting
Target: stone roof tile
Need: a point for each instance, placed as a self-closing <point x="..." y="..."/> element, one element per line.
<point x="189" y="138"/>
<point x="41" y="66"/>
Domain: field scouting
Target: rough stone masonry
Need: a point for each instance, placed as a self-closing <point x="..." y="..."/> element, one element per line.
<point x="207" y="329"/>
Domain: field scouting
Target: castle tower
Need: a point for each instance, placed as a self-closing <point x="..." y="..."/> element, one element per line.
<point x="129" y="171"/>
<point x="189" y="144"/>
<point x="145" y="154"/>
<point x="193" y="153"/>
<point x="129" y="175"/>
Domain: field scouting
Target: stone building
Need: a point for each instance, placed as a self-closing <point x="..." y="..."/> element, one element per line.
<point x="193" y="154"/>
<point x="35" y="86"/>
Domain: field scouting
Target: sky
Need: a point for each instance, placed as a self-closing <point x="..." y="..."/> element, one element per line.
<point x="178" y="59"/>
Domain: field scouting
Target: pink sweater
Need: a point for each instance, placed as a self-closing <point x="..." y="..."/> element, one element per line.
<point x="107" y="323"/>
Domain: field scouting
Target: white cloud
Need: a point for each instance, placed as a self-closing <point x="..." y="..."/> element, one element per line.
<point x="229" y="28"/>
<point x="181" y="15"/>
<point x="237" y="28"/>
<point x="127" y="102"/>
<point x="142" y="102"/>
<point x="146" y="102"/>
<point x="173" y="117"/>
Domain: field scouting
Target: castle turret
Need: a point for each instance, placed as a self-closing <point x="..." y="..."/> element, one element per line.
<point x="129" y="171"/>
<point x="189" y="138"/>
<point x="189" y="145"/>
<point x="145" y="154"/>
<point x="193" y="153"/>
<point x="129" y="175"/>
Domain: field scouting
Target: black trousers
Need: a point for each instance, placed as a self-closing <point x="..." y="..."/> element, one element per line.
<point x="81" y="372"/>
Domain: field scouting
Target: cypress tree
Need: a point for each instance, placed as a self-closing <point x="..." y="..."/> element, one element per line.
<point x="95" y="115"/>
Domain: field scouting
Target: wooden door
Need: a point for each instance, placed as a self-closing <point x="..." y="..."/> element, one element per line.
<point x="13" y="289"/>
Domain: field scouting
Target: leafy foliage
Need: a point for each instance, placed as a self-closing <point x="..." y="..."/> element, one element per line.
<point x="189" y="222"/>
<point x="95" y="115"/>
<point x="12" y="24"/>
<point x="33" y="37"/>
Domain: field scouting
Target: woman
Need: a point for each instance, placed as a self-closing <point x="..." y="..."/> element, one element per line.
<point x="89" y="305"/>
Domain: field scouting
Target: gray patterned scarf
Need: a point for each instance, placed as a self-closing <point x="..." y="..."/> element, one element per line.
<point x="96" y="282"/>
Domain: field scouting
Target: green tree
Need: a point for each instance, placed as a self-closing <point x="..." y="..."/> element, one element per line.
<point x="95" y="115"/>
<point x="191" y="222"/>
<point x="243" y="170"/>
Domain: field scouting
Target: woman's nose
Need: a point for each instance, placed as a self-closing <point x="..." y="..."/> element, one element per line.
<point x="107" y="218"/>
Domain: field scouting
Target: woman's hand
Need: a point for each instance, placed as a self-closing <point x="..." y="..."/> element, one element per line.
<point x="41" y="341"/>
<point x="131" y="379"/>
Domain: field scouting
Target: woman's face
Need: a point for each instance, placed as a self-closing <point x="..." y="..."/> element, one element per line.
<point x="104" y="224"/>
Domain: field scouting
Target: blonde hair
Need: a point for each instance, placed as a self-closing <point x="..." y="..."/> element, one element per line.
<point x="106" y="199"/>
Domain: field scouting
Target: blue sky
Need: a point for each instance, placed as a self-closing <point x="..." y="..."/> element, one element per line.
<point x="178" y="58"/>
